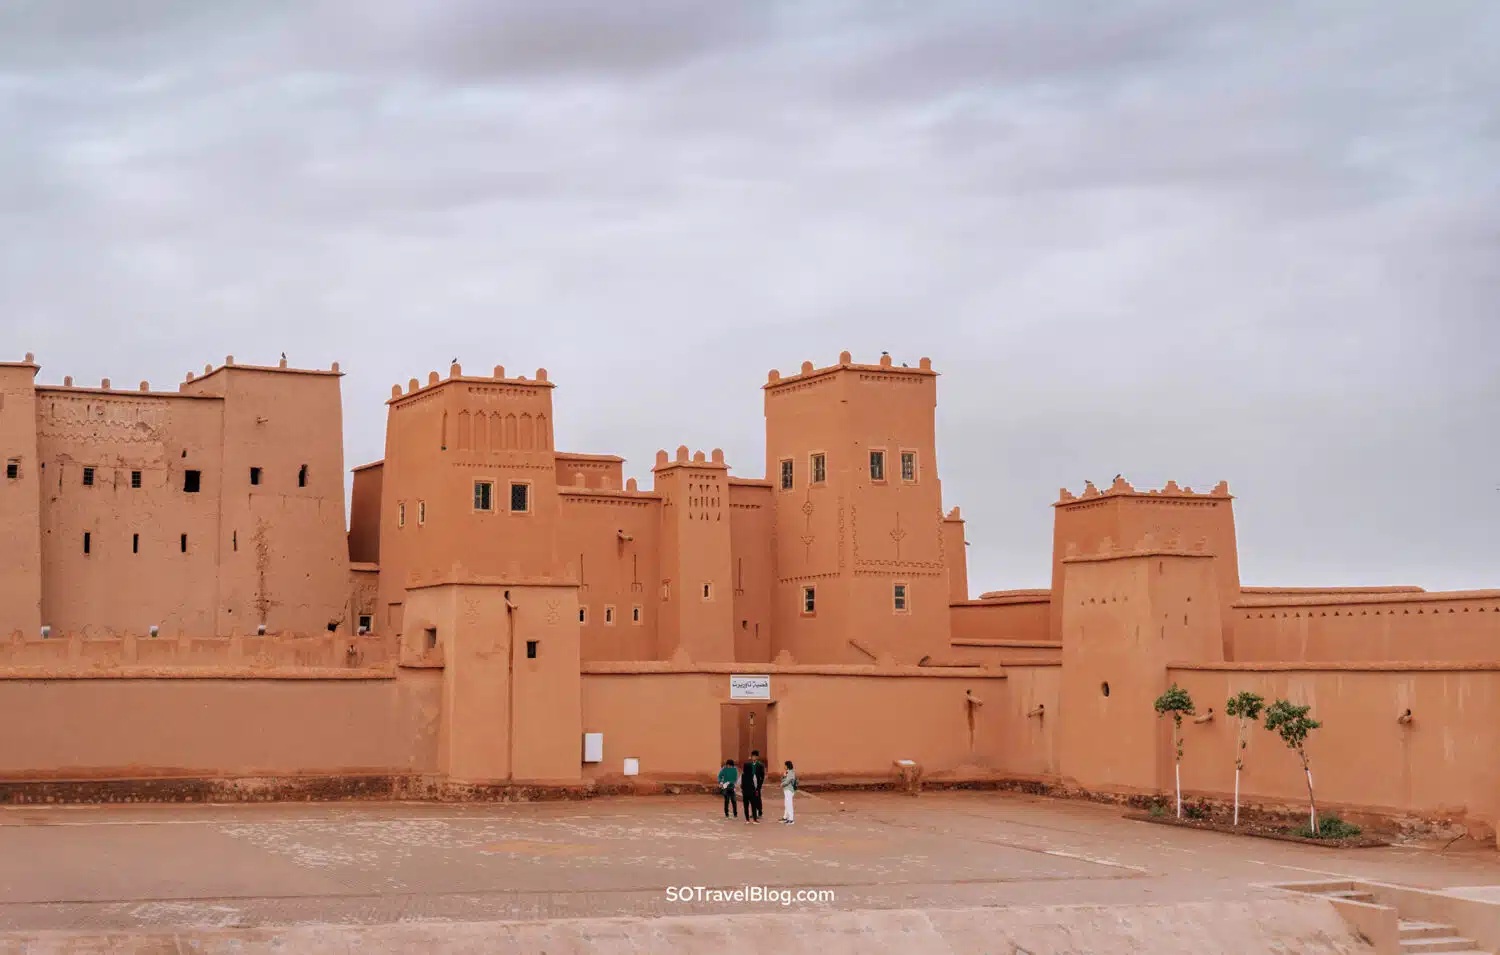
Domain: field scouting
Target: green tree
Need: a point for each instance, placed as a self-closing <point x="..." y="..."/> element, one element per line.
<point x="1178" y="703"/>
<point x="1292" y="724"/>
<point x="1245" y="707"/>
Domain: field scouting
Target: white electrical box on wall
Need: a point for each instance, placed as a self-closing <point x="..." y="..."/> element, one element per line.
<point x="593" y="747"/>
<point x="632" y="766"/>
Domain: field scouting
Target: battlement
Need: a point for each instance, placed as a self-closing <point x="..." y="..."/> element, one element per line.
<point x="886" y="365"/>
<point x="456" y="375"/>
<point x="28" y="362"/>
<point x="280" y="368"/>
<point x="714" y="459"/>
<point x="1122" y="488"/>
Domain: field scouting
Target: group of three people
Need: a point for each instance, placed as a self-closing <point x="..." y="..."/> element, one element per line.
<point x="750" y="781"/>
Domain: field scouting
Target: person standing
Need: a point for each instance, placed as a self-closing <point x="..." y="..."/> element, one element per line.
<point x="788" y="790"/>
<point x="751" y="780"/>
<point x="728" y="776"/>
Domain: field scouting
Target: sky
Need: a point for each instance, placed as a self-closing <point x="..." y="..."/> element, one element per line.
<point x="1254" y="241"/>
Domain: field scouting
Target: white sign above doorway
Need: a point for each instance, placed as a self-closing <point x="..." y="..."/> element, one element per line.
<point x="750" y="687"/>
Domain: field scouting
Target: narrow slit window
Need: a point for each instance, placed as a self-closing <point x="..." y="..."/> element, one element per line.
<point x="898" y="598"/>
<point x="609" y="615"/>
<point x="430" y="638"/>
<point x="908" y="466"/>
<point x="421" y="512"/>
<point x="583" y="613"/>
<point x="786" y="474"/>
<point x="484" y="495"/>
<point x="235" y="541"/>
<point x="819" y="468"/>
<point x="809" y="600"/>
<point x="531" y="649"/>
<point x="191" y="481"/>
<point x="13" y="469"/>
<point x="135" y="479"/>
<point x="877" y="465"/>
<point x="88" y="477"/>
<point x="401" y="514"/>
<point x="708" y="591"/>
<point x="302" y="476"/>
<point x="635" y="614"/>
<point x="182" y="543"/>
<point x="87" y="542"/>
<point x="135" y="543"/>
<point x="254" y="476"/>
<point x="520" y="497"/>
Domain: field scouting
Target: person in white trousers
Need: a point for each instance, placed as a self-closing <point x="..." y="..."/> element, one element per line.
<point x="788" y="790"/>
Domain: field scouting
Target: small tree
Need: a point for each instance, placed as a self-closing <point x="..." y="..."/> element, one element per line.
<point x="1245" y="707"/>
<point x="1292" y="724"/>
<point x="1176" y="702"/>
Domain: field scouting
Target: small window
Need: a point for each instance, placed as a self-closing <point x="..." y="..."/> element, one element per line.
<point x="429" y="636"/>
<point x="635" y="615"/>
<point x="254" y="476"/>
<point x="421" y="512"/>
<point x="520" y="497"/>
<point x="183" y="543"/>
<point x="365" y="620"/>
<point x="484" y="495"/>
<point x="13" y="469"/>
<point x="809" y="601"/>
<point x="786" y="474"/>
<point x="401" y="514"/>
<point x="191" y="481"/>
<point x="87" y="541"/>
<point x="609" y="615"/>
<point x="898" y="598"/>
<point x="819" y="469"/>
<point x="531" y="649"/>
<point x="583" y="613"/>
<point x="302" y="476"/>
<point x="135" y="479"/>
<point x="135" y="543"/>
<point x="235" y="541"/>
<point x="666" y="591"/>
<point x="908" y="466"/>
<point x="708" y="592"/>
<point x="88" y="477"/>
<point x="877" y="465"/>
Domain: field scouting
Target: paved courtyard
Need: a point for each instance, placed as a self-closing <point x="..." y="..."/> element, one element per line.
<point x="161" y="867"/>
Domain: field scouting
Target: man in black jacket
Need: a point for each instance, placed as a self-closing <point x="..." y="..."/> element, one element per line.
<point x="751" y="781"/>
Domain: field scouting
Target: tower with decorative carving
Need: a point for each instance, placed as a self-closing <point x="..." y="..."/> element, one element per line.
<point x="20" y="501"/>
<point x="861" y="570"/>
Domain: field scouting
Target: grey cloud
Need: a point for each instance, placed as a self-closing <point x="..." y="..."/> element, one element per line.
<point x="1252" y="242"/>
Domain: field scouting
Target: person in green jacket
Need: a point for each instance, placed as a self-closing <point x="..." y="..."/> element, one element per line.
<point x="728" y="776"/>
<point x="788" y="790"/>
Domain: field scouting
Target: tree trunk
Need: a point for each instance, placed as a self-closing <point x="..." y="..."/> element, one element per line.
<point x="1179" y="790"/>
<point x="1177" y="767"/>
<point x="1311" y="802"/>
<point x="1236" y="795"/>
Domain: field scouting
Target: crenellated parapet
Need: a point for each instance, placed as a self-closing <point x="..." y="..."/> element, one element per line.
<point x="1123" y="488"/>
<point x="886" y="368"/>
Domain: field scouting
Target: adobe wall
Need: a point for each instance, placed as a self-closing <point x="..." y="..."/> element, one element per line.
<point x="845" y="722"/>
<point x="751" y="522"/>
<point x="283" y="546"/>
<point x="1171" y="514"/>
<point x="1029" y="747"/>
<point x="364" y="513"/>
<point x="153" y="551"/>
<point x="20" y="501"/>
<point x="106" y="728"/>
<point x="598" y="471"/>
<point x="1441" y="764"/>
<point x="957" y="552"/>
<point x="75" y="653"/>
<point x="613" y="539"/>
<point x="1024" y="615"/>
<point x="1458" y="626"/>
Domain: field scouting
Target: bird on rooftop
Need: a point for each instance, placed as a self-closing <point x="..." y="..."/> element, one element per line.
<point x="1118" y="476"/>
<point x="454" y="361"/>
<point x="884" y="354"/>
<point x="283" y="356"/>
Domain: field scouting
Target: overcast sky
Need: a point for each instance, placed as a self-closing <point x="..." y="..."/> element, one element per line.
<point x="1253" y="241"/>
